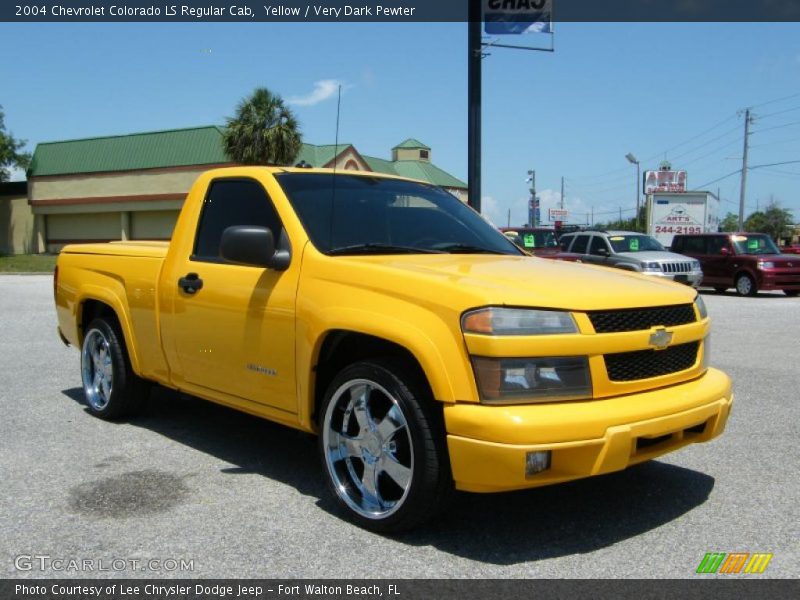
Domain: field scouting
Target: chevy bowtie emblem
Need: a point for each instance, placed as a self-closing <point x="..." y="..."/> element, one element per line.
<point x="660" y="338"/>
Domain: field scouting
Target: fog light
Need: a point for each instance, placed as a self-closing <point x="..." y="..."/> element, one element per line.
<point x="536" y="462"/>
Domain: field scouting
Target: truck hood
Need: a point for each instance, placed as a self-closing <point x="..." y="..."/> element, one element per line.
<point x="655" y="256"/>
<point x="461" y="281"/>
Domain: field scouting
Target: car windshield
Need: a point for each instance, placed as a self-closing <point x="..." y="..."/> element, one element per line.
<point x="634" y="243"/>
<point x="530" y="238"/>
<point x="754" y="244"/>
<point x="352" y="214"/>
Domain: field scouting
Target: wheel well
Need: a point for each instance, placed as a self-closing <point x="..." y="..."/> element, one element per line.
<point x="91" y="310"/>
<point x="342" y="348"/>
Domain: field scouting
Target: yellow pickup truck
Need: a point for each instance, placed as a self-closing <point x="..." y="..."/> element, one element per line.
<point x="423" y="347"/>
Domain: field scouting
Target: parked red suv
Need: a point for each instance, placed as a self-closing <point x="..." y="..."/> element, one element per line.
<point x="747" y="261"/>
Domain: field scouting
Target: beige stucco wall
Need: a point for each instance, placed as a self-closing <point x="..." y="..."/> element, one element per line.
<point x="16" y="225"/>
<point x="410" y="154"/>
<point x="153" y="225"/>
<point x="115" y="184"/>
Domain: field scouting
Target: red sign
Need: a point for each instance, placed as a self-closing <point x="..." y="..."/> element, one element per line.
<point x="664" y="181"/>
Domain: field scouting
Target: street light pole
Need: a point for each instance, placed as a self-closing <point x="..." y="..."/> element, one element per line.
<point x="632" y="159"/>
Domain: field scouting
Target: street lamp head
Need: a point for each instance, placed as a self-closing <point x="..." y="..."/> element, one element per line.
<point x="631" y="159"/>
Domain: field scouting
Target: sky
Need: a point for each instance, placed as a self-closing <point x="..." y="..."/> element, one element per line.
<point x="659" y="91"/>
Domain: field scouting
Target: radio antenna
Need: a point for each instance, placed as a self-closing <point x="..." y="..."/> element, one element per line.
<point x="335" y="156"/>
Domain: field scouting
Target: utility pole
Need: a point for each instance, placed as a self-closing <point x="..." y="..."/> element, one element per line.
<point x="562" y="192"/>
<point x="744" y="168"/>
<point x="474" y="105"/>
<point x="532" y="200"/>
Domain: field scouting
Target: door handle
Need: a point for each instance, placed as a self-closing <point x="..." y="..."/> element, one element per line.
<point x="191" y="283"/>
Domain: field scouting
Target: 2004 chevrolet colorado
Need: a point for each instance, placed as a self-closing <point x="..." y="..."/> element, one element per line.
<point x="426" y="351"/>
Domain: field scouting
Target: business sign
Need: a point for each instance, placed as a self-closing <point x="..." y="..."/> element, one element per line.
<point x="692" y="212"/>
<point x="664" y="181"/>
<point x="512" y="17"/>
<point x="558" y="214"/>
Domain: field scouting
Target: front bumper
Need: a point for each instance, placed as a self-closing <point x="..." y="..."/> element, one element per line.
<point x="692" y="278"/>
<point x="488" y="444"/>
<point x="779" y="279"/>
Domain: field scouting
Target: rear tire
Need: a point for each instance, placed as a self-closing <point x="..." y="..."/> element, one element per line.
<point x="383" y="447"/>
<point x="745" y="285"/>
<point x="111" y="388"/>
<point x="791" y="293"/>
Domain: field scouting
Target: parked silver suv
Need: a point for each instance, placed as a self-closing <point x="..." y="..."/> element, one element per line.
<point x="630" y="251"/>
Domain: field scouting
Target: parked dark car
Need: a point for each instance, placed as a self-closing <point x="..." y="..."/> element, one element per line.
<point x="534" y="240"/>
<point x="748" y="262"/>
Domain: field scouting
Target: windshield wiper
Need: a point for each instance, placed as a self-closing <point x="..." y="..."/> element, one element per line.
<point x="466" y="249"/>
<point x="381" y="249"/>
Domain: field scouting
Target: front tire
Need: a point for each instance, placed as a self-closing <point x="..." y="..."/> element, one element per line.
<point x="383" y="448"/>
<point x="745" y="285"/>
<point x="111" y="388"/>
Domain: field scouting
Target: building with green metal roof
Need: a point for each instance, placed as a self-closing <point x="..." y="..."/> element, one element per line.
<point x="132" y="186"/>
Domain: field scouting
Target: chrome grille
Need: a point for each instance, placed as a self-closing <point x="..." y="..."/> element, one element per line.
<point x="676" y="267"/>
<point x="637" y="319"/>
<point x="643" y="364"/>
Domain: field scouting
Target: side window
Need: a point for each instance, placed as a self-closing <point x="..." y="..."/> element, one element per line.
<point x="581" y="242"/>
<point x="716" y="244"/>
<point x="598" y="245"/>
<point x="232" y="202"/>
<point x="565" y="242"/>
<point x="693" y="245"/>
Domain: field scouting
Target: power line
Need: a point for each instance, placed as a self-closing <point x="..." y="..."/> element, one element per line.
<point x="776" y="100"/>
<point x="776" y="142"/>
<point x="781" y="126"/>
<point x="780" y="112"/>
<point x="736" y="172"/>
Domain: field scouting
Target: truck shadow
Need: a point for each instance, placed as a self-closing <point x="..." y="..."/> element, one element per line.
<point x="502" y="529"/>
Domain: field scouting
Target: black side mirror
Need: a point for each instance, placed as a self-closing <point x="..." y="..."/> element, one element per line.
<point x="253" y="246"/>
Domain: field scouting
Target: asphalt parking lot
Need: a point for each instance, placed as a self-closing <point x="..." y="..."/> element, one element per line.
<point x="241" y="497"/>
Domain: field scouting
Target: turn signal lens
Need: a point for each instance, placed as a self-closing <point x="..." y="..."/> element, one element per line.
<point x="517" y="321"/>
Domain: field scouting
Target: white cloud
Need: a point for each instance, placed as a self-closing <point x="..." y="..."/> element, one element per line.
<point x="16" y="174"/>
<point x="323" y="89"/>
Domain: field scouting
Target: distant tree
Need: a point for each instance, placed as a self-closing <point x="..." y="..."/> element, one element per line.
<point x="10" y="155"/>
<point x="756" y="222"/>
<point x="779" y="221"/>
<point x="729" y="223"/>
<point x="774" y="221"/>
<point x="263" y="132"/>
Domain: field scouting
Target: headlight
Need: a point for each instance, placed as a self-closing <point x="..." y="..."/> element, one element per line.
<point x="651" y="266"/>
<point x="517" y="321"/>
<point x="520" y="380"/>
<point x="701" y="306"/>
<point x="766" y="264"/>
<point x="696" y="266"/>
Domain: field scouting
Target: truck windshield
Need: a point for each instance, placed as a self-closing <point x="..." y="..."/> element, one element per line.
<point x="372" y="215"/>
<point x="755" y="244"/>
<point x="635" y="243"/>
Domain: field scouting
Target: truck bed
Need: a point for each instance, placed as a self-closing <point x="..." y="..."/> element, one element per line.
<point x="144" y="249"/>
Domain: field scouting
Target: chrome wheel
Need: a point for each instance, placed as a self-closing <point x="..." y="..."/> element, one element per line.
<point x="97" y="371"/>
<point x="368" y="449"/>
<point x="744" y="285"/>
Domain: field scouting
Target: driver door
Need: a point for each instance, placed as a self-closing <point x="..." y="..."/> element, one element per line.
<point x="234" y="334"/>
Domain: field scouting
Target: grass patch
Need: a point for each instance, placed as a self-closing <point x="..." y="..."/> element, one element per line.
<point x="28" y="263"/>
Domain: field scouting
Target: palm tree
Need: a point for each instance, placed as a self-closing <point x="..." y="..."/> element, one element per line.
<point x="263" y="132"/>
